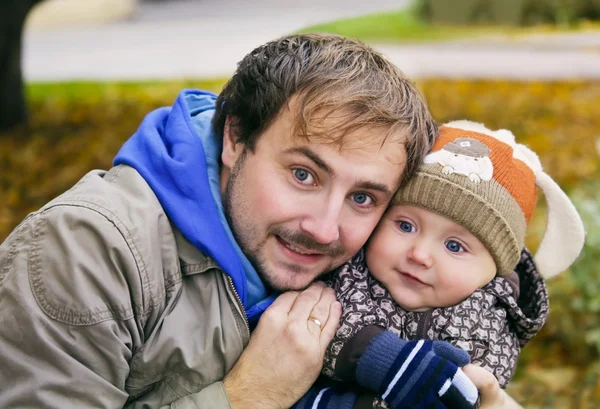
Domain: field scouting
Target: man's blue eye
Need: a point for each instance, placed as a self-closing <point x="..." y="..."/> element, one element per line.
<point x="301" y="174"/>
<point x="454" y="246"/>
<point x="362" y="199"/>
<point x="406" y="227"/>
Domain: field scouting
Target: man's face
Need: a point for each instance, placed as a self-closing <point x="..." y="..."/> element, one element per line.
<point x="301" y="208"/>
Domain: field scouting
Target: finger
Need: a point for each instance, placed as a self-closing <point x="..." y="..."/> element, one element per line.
<point x="284" y="302"/>
<point x="320" y="311"/>
<point x="321" y="308"/>
<point x="486" y="383"/>
<point x="306" y="301"/>
<point x="330" y="327"/>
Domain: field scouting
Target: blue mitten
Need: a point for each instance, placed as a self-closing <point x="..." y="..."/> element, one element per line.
<point x="335" y="397"/>
<point x="416" y="374"/>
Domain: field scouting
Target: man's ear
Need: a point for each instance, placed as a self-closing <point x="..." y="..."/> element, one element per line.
<point x="231" y="149"/>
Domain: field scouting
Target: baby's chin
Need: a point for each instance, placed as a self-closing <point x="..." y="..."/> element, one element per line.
<point x="419" y="305"/>
<point x="411" y="306"/>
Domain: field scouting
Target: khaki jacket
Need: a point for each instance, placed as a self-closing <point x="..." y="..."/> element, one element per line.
<point x="104" y="304"/>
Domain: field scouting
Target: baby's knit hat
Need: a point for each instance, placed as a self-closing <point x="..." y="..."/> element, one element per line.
<point x="485" y="181"/>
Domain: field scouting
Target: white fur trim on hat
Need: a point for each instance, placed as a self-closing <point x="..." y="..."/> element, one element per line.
<point x="503" y="135"/>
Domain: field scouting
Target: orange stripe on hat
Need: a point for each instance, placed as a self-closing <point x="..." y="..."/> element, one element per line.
<point x="514" y="175"/>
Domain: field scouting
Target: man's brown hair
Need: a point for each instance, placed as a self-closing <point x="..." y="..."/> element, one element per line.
<point x="329" y="76"/>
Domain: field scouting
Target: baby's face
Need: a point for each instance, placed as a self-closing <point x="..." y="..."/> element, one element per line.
<point x="426" y="260"/>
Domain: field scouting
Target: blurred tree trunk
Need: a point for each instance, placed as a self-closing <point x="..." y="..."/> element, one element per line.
<point x="13" y="107"/>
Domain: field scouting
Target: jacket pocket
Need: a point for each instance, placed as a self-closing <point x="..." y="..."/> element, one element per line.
<point x="80" y="267"/>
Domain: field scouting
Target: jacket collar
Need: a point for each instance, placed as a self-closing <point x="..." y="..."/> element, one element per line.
<point x="192" y="260"/>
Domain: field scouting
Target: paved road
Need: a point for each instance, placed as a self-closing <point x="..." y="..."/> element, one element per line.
<point x="547" y="61"/>
<point x="296" y="12"/>
<point x="206" y="38"/>
<point x="185" y="38"/>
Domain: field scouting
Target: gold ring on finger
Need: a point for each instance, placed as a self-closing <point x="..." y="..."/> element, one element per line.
<point x="316" y="321"/>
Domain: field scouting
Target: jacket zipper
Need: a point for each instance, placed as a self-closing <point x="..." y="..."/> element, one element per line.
<point x="239" y="300"/>
<point x="424" y="324"/>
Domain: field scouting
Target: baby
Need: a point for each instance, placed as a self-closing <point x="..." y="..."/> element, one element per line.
<point x="448" y="262"/>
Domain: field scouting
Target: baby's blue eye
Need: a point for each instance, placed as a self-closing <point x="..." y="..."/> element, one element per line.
<point x="454" y="246"/>
<point x="406" y="227"/>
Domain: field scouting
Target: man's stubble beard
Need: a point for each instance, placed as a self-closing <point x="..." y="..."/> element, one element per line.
<point x="234" y="209"/>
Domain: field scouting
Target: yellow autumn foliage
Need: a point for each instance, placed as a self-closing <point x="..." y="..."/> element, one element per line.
<point x="558" y="120"/>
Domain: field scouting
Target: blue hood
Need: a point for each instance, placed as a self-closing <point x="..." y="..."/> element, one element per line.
<point x="170" y="156"/>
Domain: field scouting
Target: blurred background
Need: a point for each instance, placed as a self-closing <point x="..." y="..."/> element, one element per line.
<point x="77" y="77"/>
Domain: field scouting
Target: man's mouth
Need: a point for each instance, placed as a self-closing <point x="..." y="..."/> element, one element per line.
<point x="298" y="255"/>
<point x="300" y="244"/>
<point x="297" y="249"/>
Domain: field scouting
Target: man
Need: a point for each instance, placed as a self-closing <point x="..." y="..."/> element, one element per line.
<point x="138" y="287"/>
<point x="133" y="288"/>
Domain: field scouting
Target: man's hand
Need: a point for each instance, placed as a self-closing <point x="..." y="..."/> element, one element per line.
<point x="492" y="397"/>
<point x="285" y="352"/>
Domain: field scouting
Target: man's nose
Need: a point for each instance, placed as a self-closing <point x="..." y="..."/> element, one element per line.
<point x="323" y="222"/>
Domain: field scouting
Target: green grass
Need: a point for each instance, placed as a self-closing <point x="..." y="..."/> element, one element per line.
<point x="77" y="90"/>
<point x="403" y="25"/>
<point x="406" y="26"/>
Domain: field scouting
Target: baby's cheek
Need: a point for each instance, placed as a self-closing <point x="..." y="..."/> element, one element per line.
<point x="457" y="289"/>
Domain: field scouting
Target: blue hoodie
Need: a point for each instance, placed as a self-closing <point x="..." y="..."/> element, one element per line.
<point x="177" y="152"/>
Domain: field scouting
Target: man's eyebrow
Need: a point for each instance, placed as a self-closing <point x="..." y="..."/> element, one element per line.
<point x="380" y="187"/>
<point x="362" y="184"/>
<point x="303" y="150"/>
